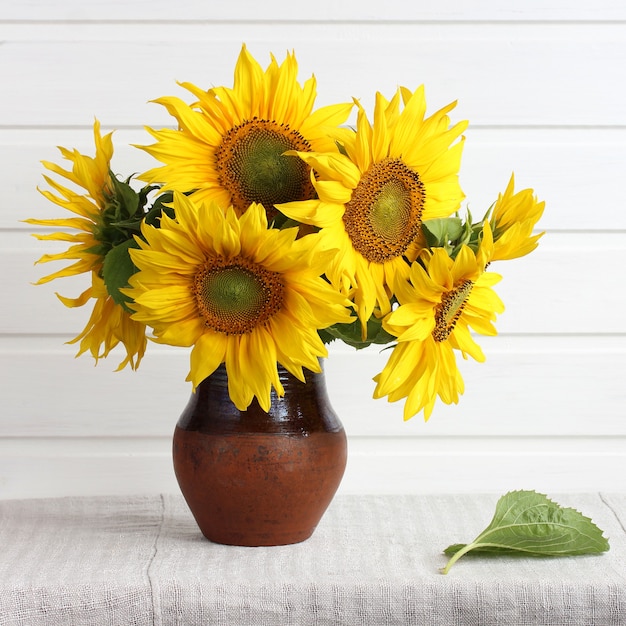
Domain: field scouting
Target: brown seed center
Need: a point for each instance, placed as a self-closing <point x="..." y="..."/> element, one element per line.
<point x="383" y="217"/>
<point x="236" y="295"/>
<point x="251" y="165"/>
<point x="449" y="310"/>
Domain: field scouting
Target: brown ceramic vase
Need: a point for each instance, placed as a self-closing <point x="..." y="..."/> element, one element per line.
<point x="253" y="478"/>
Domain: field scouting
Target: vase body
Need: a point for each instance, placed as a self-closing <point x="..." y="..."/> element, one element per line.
<point x="253" y="478"/>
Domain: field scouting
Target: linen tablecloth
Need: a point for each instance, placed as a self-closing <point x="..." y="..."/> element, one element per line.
<point x="372" y="560"/>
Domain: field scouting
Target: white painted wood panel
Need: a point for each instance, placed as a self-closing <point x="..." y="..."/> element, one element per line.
<point x="510" y="75"/>
<point x="541" y="84"/>
<point x="351" y="11"/>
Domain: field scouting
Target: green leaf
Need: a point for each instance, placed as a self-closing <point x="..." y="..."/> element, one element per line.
<point x="153" y="216"/>
<point x="144" y="192"/>
<point x="527" y="522"/>
<point x="351" y="333"/>
<point x="440" y="232"/>
<point x="127" y="199"/>
<point x="117" y="270"/>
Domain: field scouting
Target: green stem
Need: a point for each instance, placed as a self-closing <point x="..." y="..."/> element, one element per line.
<point x="456" y="557"/>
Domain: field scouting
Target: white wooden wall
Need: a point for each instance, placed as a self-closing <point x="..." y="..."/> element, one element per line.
<point x="543" y="87"/>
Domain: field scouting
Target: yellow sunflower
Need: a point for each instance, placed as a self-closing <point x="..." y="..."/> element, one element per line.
<point x="237" y="291"/>
<point x="109" y="323"/>
<point x="513" y="218"/>
<point x="229" y="146"/>
<point x="443" y="299"/>
<point x="372" y="198"/>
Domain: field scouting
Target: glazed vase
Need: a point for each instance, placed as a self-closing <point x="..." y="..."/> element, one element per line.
<point x="256" y="478"/>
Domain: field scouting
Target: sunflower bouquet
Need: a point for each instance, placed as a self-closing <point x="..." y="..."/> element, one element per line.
<point x="270" y="229"/>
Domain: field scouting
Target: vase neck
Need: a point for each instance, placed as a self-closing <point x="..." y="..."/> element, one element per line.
<point x="303" y="408"/>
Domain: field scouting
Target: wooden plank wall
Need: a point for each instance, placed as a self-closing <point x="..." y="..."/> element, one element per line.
<point x="543" y="88"/>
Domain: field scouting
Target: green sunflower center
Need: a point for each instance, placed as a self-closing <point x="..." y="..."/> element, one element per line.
<point x="236" y="295"/>
<point x="383" y="217"/>
<point x="251" y="165"/>
<point x="450" y="309"/>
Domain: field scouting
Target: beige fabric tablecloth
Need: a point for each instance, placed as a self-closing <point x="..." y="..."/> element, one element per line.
<point x="372" y="560"/>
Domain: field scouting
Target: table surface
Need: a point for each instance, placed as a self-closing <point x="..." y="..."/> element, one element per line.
<point x="372" y="560"/>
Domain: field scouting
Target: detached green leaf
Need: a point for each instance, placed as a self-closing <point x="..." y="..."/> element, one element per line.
<point x="527" y="522"/>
